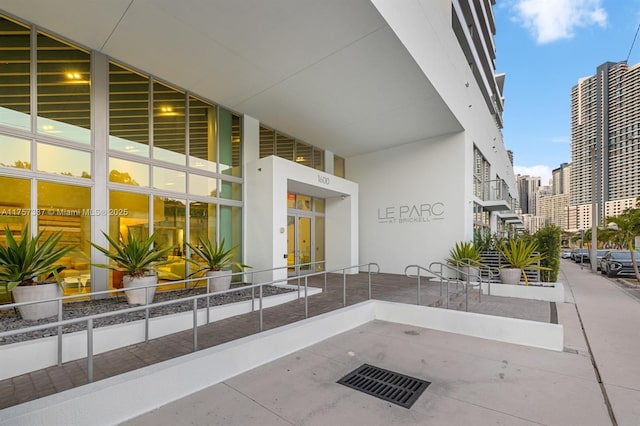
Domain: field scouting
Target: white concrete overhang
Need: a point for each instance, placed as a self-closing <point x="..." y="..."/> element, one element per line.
<point x="331" y="72"/>
<point x="495" y="205"/>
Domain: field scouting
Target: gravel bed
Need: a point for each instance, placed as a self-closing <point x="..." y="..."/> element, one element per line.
<point x="11" y="320"/>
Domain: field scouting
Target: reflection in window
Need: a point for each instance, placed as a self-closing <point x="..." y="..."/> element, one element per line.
<point x="169" y="180"/>
<point x="285" y="146"/>
<point x="202" y="222"/>
<point x="64" y="161"/>
<point x="65" y="210"/>
<point x="168" y="124"/>
<point x="267" y="142"/>
<point x="202" y="185"/>
<point x="15" y="152"/>
<point x="128" y="172"/>
<point x="303" y="202"/>
<point x="169" y="226"/>
<point x="202" y="135"/>
<point x="64" y="75"/>
<point x="15" y="201"/>
<point x="231" y="190"/>
<point x="15" y="48"/>
<point x="128" y="111"/>
<point x="338" y="166"/>
<point x="230" y="144"/>
<point x="231" y="231"/>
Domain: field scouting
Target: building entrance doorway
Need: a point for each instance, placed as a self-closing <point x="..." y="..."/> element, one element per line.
<point x="305" y="234"/>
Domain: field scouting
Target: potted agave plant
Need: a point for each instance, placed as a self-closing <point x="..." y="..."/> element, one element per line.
<point x="137" y="258"/>
<point x="26" y="268"/>
<point x="518" y="255"/>
<point x="216" y="261"/>
<point x="465" y="257"/>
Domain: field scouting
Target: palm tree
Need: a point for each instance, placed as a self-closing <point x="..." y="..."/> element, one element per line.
<point x="625" y="228"/>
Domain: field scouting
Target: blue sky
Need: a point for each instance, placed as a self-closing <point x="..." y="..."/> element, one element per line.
<point x="544" y="47"/>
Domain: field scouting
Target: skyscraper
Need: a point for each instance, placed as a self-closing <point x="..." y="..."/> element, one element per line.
<point x="605" y="140"/>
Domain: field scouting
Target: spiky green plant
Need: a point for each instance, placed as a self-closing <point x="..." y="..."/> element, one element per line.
<point x="464" y="253"/>
<point x="519" y="253"/>
<point x="22" y="263"/>
<point x="214" y="256"/>
<point x="136" y="256"/>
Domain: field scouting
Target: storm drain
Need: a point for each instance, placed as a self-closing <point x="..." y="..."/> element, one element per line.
<point x="386" y="385"/>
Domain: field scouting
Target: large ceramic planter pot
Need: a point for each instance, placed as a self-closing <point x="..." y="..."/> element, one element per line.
<point x="219" y="280"/>
<point x="137" y="297"/>
<point x="29" y="293"/>
<point x="510" y="275"/>
<point x="471" y="271"/>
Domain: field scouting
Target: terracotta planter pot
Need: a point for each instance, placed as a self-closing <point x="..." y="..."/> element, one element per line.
<point x="510" y="275"/>
<point x="219" y="280"/>
<point x="137" y="297"/>
<point x="37" y="292"/>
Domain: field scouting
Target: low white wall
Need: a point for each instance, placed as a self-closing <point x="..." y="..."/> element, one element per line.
<point x="23" y="357"/>
<point x="145" y="389"/>
<point x="533" y="292"/>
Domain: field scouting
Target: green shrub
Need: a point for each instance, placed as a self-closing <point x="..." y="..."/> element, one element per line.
<point x="549" y="240"/>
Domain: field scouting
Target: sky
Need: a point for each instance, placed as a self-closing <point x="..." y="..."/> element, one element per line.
<point x="544" y="47"/>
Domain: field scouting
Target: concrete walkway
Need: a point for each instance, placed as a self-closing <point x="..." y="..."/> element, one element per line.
<point x="474" y="381"/>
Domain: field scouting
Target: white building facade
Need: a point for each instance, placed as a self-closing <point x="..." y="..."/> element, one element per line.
<point x="326" y="133"/>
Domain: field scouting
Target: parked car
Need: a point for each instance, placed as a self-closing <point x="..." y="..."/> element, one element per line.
<point x="581" y="256"/>
<point x="565" y="254"/>
<point x="599" y="255"/>
<point x="617" y="263"/>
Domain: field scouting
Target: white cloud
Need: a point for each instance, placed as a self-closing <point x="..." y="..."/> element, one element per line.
<point x="551" y="20"/>
<point x="543" y="172"/>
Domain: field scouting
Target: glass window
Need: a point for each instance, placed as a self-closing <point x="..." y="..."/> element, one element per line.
<point x="64" y="75"/>
<point x="203" y="185"/>
<point x="338" y="166"/>
<point x="65" y="209"/>
<point x="303" y="202"/>
<point x="231" y="190"/>
<point x="318" y="159"/>
<point x="291" y="201"/>
<point x="203" y="130"/>
<point x="267" y="141"/>
<point x="231" y="231"/>
<point x="285" y="146"/>
<point x="15" y="201"/>
<point x="319" y="243"/>
<point x="202" y="222"/>
<point x="169" y="128"/>
<point x="128" y="172"/>
<point x="15" y="152"/>
<point x="304" y="154"/>
<point x="169" y="225"/>
<point x="128" y="111"/>
<point x="15" y="48"/>
<point x="63" y="161"/>
<point x="319" y="205"/>
<point x="230" y="144"/>
<point x="169" y="180"/>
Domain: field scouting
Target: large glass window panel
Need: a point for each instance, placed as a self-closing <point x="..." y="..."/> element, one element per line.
<point x="15" y="203"/>
<point x="203" y="129"/>
<point x="64" y="92"/>
<point x="338" y="166"/>
<point x="128" y="172"/>
<point x="129" y="213"/>
<point x="203" y="185"/>
<point x="15" y="47"/>
<point x="303" y="202"/>
<point x="230" y="144"/>
<point x="285" y="146"/>
<point x="231" y="190"/>
<point x="169" y="124"/>
<point x="231" y="230"/>
<point x="319" y="243"/>
<point x="318" y="159"/>
<point x="16" y="152"/>
<point x="318" y="205"/>
<point x="63" y="161"/>
<point x="304" y="154"/>
<point x="169" y="215"/>
<point x="128" y="111"/>
<point x="66" y="209"/>
<point x="169" y="180"/>
<point x="202" y="222"/>
<point x="267" y="142"/>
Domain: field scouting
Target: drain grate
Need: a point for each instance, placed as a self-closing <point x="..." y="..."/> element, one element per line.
<point x="384" y="384"/>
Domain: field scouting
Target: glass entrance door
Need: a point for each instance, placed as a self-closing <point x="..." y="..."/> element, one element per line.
<point x="299" y="244"/>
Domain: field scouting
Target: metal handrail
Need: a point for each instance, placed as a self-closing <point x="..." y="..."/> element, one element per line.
<point x="90" y="318"/>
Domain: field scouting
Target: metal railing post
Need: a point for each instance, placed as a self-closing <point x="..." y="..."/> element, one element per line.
<point x="146" y="324"/>
<point x="208" y="303"/>
<point x="466" y="291"/>
<point x="90" y="350"/>
<point x="325" y="280"/>
<point x="306" y="298"/>
<point x="369" y="278"/>
<point x="60" y="333"/>
<point x="344" y="287"/>
<point x="261" y="324"/>
<point x="419" y="299"/>
<point x="195" y="325"/>
<point x="253" y="292"/>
